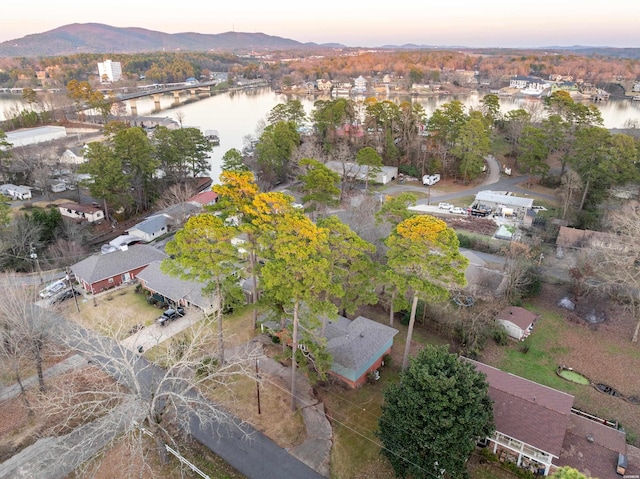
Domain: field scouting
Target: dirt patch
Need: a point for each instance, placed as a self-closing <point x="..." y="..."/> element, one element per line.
<point x="483" y="226"/>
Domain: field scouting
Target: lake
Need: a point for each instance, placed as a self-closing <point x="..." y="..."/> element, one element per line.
<point x="237" y="114"/>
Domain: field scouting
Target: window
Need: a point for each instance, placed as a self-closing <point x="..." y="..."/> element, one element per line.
<point x="110" y="280"/>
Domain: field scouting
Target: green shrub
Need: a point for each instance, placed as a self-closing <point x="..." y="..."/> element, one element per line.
<point x="488" y="455"/>
<point x="387" y="360"/>
<point x="500" y="335"/>
<point x="408" y="170"/>
<point x="465" y="241"/>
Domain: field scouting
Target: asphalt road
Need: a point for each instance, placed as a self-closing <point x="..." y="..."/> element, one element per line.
<point x="246" y="449"/>
<point x="494" y="181"/>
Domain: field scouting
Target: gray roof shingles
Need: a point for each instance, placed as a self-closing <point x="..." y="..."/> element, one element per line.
<point x="352" y="343"/>
<point x="153" y="224"/>
<point x="102" y="266"/>
<point x="173" y="287"/>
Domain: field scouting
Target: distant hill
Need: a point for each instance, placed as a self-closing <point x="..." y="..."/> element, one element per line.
<point x="99" y="38"/>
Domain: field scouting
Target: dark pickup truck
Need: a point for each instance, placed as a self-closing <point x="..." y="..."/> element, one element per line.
<point x="480" y="211"/>
<point x="170" y="315"/>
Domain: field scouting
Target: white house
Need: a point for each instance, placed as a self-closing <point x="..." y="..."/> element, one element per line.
<point x="324" y="85"/>
<point x="73" y="156"/>
<point x="76" y="211"/>
<point x="360" y="85"/>
<point x="109" y="71"/>
<point x="529" y="85"/>
<point x="153" y="227"/>
<point x="15" y="192"/>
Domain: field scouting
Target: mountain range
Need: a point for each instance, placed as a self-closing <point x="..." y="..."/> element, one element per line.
<point x="100" y="38"/>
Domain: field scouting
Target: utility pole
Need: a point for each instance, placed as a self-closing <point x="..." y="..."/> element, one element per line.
<point x="33" y="255"/>
<point x="258" y="384"/>
<point x="75" y="297"/>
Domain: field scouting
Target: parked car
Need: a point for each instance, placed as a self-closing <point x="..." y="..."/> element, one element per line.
<point x="53" y="288"/>
<point x="445" y="206"/>
<point x="170" y="314"/>
<point x="68" y="294"/>
<point x="458" y="211"/>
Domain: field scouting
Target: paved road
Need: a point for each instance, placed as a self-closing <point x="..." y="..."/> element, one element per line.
<point x="246" y="449"/>
<point x="494" y="181"/>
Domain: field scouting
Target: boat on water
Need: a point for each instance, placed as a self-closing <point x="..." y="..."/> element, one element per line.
<point x="212" y="136"/>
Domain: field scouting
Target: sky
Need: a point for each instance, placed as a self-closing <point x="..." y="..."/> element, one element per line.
<point x="472" y="23"/>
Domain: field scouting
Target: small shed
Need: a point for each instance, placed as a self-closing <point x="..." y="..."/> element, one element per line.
<point x="517" y="321"/>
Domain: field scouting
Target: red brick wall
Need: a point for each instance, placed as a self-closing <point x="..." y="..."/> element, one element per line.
<point x="117" y="281"/>
<point x="362" y="379"/>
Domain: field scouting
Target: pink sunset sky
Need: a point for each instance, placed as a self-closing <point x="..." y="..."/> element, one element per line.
<point x="454" y="23"/>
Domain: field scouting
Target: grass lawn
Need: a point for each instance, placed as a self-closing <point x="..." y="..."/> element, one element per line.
<point x="603" y="354"/>
<point x="536" y="357"/>
<point x="354" y="412"/>
<point x="112" y="313"/>
<point x="463" y="202"/>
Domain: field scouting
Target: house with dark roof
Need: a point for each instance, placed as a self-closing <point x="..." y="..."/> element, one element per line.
<point x="517" y="321"/>
<point x="594" y="448"/>
<point x="357" y="346"/>
<point x="175" y="290"/>
<point x="103" y="271"/>
<point x="538" y="429"/>
<point x="180" y="212"/>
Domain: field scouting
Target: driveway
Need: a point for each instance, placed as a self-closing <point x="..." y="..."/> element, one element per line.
<point x="153" y="335"/>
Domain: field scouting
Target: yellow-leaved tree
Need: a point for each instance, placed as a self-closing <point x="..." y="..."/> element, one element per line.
<point x="424" y="256"/>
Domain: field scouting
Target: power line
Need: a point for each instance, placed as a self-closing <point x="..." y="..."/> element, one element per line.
<point x="343" y="424"/>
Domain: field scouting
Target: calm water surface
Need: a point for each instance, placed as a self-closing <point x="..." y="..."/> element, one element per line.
<point x="238" y="114"/>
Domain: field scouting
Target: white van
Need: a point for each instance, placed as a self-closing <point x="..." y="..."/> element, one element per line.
<point x="53" y="288"/>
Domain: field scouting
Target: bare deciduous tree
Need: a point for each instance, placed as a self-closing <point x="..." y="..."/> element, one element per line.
<point x="520" y="271"/>
<point x="618" y="260"/>
<point x="26" y="328"/>
<point x="168" y="396"/>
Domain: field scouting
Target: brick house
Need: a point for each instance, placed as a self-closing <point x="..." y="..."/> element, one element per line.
<point x="103" y="271"/>
<point x="175" y="290"/>
<point x="358" y="347"/>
